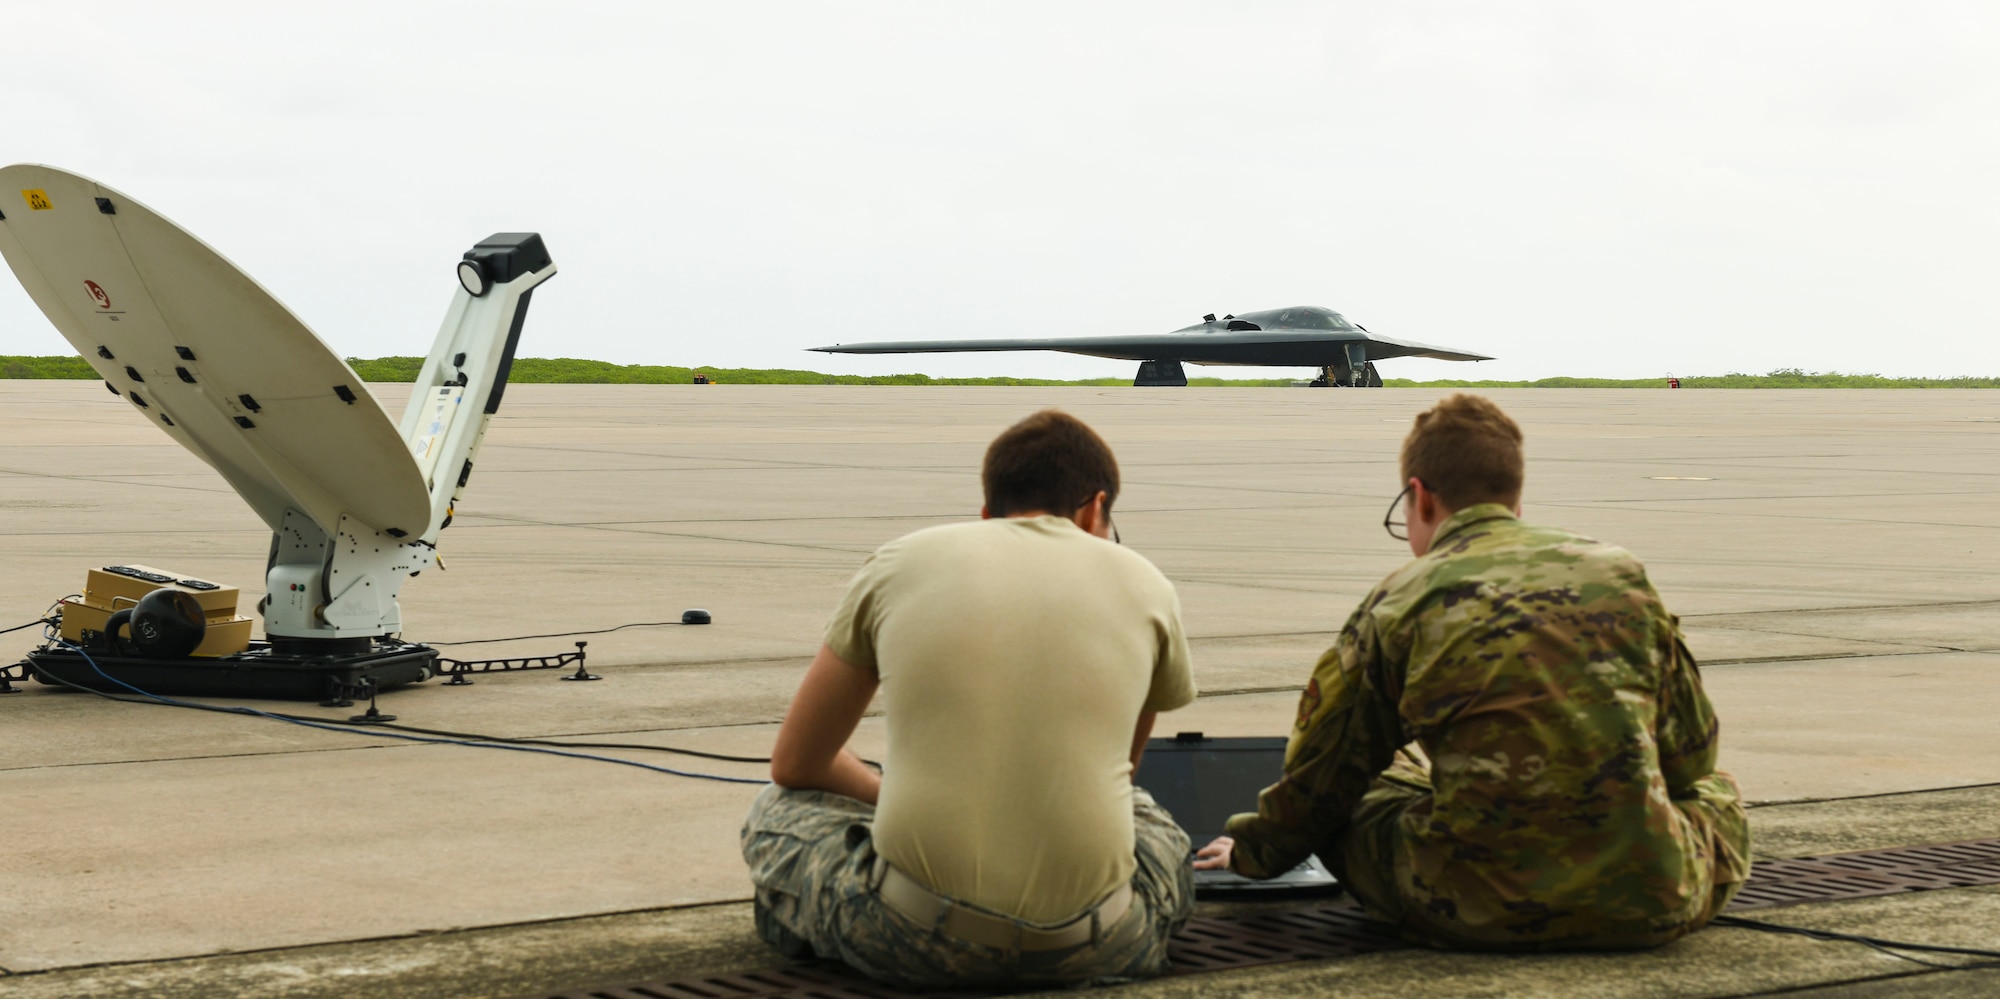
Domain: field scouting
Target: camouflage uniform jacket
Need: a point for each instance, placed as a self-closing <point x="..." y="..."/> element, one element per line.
<point x="1572" y="749"/>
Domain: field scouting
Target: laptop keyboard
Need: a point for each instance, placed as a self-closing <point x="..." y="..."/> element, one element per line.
<point x="1306" y="868"/>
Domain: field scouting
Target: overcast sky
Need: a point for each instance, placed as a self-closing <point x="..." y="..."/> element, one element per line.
<point x="1577" y="188"/>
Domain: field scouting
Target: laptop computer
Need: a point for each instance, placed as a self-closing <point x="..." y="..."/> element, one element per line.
<point x="1204" y="781"/>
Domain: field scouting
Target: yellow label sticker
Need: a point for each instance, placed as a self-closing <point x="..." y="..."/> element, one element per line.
<point x="38" y="200"/>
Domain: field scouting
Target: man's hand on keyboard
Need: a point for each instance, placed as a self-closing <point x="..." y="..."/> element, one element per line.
<point x="1214" y="856"/>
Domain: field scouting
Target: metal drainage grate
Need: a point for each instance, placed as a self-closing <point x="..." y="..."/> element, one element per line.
<point x="803" y="982"/>
<point x="1870" y="873"/>
<point x="1213" y="943"/>
<point x="1217" y="943"/>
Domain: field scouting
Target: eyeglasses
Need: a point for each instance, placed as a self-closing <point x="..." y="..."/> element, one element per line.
<point x="1393" y="522"/>
<point x="1115" y="539"/>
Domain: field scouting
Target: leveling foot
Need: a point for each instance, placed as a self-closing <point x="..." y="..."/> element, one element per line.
<point x="372" y="716"/>
<point x="581" y="673"/>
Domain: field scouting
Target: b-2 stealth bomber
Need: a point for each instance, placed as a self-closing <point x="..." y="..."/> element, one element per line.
<point x="1303" y="335"/>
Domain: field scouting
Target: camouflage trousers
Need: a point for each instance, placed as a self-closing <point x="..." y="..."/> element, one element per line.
<point x="812" y="859"/>
<point x="1365" y="857"/>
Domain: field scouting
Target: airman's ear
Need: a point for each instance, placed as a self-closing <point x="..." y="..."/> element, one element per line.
<point x="1092" y="517"/>
<point x="984" y="513"/>
<point x="1426" y="501"/>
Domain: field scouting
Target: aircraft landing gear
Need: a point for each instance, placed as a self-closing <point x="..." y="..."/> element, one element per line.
<point x="1353" y="370"/>
<point x="1344" y="376"/>
<point x="1161" y="373"/>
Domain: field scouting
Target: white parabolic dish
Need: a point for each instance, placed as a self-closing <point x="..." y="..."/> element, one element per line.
<point x="208" y="355"/>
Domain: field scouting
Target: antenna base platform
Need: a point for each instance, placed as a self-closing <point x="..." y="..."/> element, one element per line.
<point x="298" y="673"/>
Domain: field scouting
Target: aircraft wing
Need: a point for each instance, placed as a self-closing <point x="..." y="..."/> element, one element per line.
<point x="1276" y="348"/>
<point x="1391" y="347"/>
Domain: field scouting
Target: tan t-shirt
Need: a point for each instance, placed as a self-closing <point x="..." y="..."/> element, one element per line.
<point x="1015" y="657"/>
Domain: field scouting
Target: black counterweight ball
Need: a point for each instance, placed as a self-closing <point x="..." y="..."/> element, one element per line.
<point x="167" y="624"/>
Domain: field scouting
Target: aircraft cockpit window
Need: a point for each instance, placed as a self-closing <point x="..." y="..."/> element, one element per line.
<point x="1311" y="319"/>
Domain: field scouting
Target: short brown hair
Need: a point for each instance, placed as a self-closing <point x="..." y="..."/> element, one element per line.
<point x="1466" y="451"/>
<point x="1050" y="462"/>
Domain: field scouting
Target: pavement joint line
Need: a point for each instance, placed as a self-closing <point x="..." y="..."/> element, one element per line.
<point x="757" y="463"/>
<point x="1761" y="497"/>
<point x="1240" y="585"/>
<point x="1824" y="656"/>
<point x="1265" y="634"/>
<point x="759" y="520"/>
<point x="524" y="522"/>
<point x="953" y="515"/>
<point x="113" y="534"/>
<point x="1790" y="517"/>
<point x="742" y="464"/>
<point x="1766" y="629"/>
<point x="1984" y="602"/>
<point x="308" y="751"/>
<point x="1784" y="802"/>
<point x="383" y="938"/>
<point x="301" y="751"/>
<point x="119" y="480"/>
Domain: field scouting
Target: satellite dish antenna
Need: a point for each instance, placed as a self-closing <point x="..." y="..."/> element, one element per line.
<point x="354" y="502"/>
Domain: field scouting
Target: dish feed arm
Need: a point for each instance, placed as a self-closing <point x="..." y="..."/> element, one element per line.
<point x="459" y="389"/>
<point x="340" y="581"/>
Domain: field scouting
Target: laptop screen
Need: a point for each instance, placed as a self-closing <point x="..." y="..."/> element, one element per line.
<point x="1205" y="781"/>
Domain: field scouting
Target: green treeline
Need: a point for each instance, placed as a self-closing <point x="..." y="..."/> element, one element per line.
<point x="548" y="370"/>
<point x="70" y="366"/>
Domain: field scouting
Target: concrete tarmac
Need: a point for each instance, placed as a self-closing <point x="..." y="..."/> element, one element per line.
<point x="1832" y="554"/>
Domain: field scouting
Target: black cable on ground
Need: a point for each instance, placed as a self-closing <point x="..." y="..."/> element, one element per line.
<point x="320" y="723"/>
<point x="567" y="634"/>
<point x="474" y="736"/>
<point x="573" y="745"/>
<point x="30" y="624"/>
<point x="1888" y="947"/>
